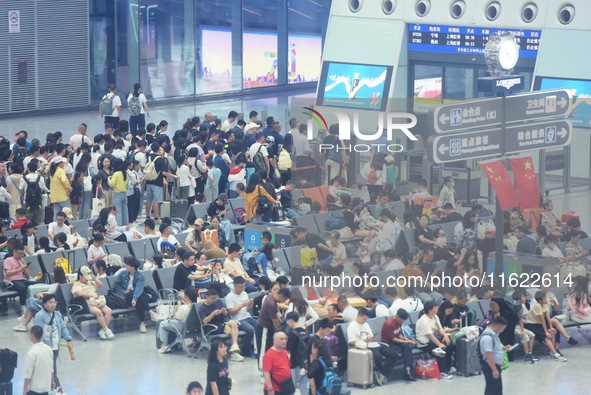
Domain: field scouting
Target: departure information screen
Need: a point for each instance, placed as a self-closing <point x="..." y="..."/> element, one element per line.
<point x="466" y="40"/>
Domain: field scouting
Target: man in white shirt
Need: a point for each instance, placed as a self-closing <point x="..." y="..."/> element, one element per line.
<point x="360" y="335"/>
<point x="58" y="226"/>
<point x="166" y="231"/>
<point x="114" y="116"/>
<point x="259" y="145"/>
<point x="39" y="365"/>
<point x="348" y="312"/>
<point x="235" y="268"/>
<point x="227" y="125"/>
<point x="237" y="303"/>
<point x="80" y="137"/>
<point x="395" y="302"/>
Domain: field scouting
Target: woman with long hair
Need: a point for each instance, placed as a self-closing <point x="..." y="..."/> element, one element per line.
<point x="84" y="166"/>
<point x="13" y="182"/>
<point x="447" y="194"/>
<point x="59" y="188"/>
<point x="137" y="106"/>
<point x="105" y="172"/>
<point x="251" y="198"/>
<point x="468" y="235"/>
<point x="119" y="181"/>
<point x="374" y="173"/>
<point x="83" y="149"/>
<point x="107" y="218"/>
<point x="222" y="239"/>
<point x="578" y="302"/>
<point x="218" y="380"/>
<point x="265" y="260"/>
<point x="298" y="304"/>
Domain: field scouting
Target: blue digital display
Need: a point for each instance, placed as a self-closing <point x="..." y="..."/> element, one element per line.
<point x="352" y="85"/>
<point x="581" y="89"/>
<point x="466" y="40"/>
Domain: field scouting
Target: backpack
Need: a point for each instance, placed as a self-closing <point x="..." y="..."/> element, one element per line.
<point x="284" y="162"/>
<point x="134" y="107"/>
<point x="131" y="155"/>
<point x="302" y="349"/>
<point x="249" y="263"/>
<point x="372" y="177"/>
<point x="33" y="194"/>
<point x="263" y="205"/>
<point x="107" y="105"/>
<point x="409" y="332"/>
<point x="64" y="264"/>
<point x="332" y="383"/>
<point x="150" y="173"/>
<point x="8" y="361"/>
<point x="259" y="160"/>
<point x="335" y="223"/>
<point x="20" y="155"/>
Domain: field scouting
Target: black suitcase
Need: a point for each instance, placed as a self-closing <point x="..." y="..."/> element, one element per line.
<point x="48" y="214"/>
<point x="179" y="208"/>
<point x="467" y="357"/>
<point x="6" y="388"/>
<point x="8" y="361"/>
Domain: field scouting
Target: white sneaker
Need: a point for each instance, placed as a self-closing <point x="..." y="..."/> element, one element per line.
<point x="102" y="334"/>
<point x="109" y="334"/>
<point x="446" y="376"/>
<point x="20" y="328"/>
<point x="236" y="357"/>
<point x="154" y="316"/>
<point x="438" y="352"/>
<point x="22" y="317"/>
<point x="558" y="357"/>
<point x="164" y="349"/>
<point x="381" y="379"/>
<point x="143" y="328"/>
<point x="234" y="348"/>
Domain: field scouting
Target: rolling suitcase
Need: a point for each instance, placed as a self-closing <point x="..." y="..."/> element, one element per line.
<point x="467" y="357"/>
<point x="332" y="342"/>
<point x="360" y="368"/>
<point x="165" y="209"/>
<point x="179" y="208"/>
<point x="48" y="214"/>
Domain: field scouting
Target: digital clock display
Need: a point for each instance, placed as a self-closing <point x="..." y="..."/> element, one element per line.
<point x="467" y="40"/>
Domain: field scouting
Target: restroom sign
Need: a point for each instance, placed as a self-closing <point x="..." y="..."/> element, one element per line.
<point x="14" y="21"/>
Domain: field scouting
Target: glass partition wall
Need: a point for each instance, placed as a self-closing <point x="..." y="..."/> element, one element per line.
<point x="181" y="48"/>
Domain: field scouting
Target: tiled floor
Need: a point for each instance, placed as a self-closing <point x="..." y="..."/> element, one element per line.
<point x="130" y="364"/>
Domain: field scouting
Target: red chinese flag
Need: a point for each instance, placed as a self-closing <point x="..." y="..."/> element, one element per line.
<point x="501" y="182"/>
<point x="526" y="182"/>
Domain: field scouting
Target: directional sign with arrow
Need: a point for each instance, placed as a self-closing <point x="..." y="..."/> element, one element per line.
<point x="536" y="136"/>
<point x="467" y="115"/>
<point x="538" y="105"/>
<point x="462" y="146"/>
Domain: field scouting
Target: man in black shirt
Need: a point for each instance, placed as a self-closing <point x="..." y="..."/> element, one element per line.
<point x="450" y="213"/>
<point x="325" y="327"/>
<point x="183" y="275"/>
<point x="312" y="240"/>
<point x="218" y="206"/>
<point x="297" y="347"/>
<point x="154" y="187"/>
<point x="461" y="313"/>
<point x="427" y="265"/>
<point x="289" y="206"/>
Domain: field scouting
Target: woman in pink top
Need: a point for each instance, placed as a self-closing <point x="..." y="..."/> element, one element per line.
<point x="17" y="274"/>
<point x="578" y="301"/>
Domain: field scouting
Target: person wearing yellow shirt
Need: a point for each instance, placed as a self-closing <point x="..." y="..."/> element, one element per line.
<point x="60" y="188"/>
<point x="119" y="181"/>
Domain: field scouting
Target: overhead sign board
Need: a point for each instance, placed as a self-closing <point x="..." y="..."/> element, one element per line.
<point x="462" y="146"/>
<point x="468" y="115"/>
<point x="536" y="136"/>
<point x="536" y="105"/>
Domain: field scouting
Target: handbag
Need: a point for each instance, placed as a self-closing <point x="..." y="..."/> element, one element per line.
<point x="210" y="234"/>
<point x="115" y="300"/>
<point x="286" y="387"/>
<point x="263" y="204"/>
<point x="87" y="184"/>
<point x="151" y="294"/>
<point x="97" y="205"/>
<point x="99" y="303"/>
<point x="427" y="369"/>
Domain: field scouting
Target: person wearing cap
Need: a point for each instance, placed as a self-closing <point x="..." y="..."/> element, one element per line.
<point x="86" y="287"/>
<point x="194" y="240"/>
<point x="59" y="226"/>
<point x="60" y="188"/>
<point x="130" y="285"/>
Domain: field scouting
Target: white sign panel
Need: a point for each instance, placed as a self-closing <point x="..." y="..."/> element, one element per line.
<point x="14" y="21"/>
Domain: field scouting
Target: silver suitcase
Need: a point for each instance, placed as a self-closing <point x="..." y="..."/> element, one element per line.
<point x="360" y="368"/>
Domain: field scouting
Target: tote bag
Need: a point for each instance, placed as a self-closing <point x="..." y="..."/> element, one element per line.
<point x="97" y="205"/>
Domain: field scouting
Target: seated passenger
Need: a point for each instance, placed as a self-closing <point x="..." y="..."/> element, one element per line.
<point x="578" y="301"/>
<point x="538" y="322"/>
<point x="524" y="336"/>
<point x="86" y="287"/>
<point x="432" y="338"/>
<point x="181" y="313"/>
<point x="130" y="284"/>
<point x="307" y="316"/>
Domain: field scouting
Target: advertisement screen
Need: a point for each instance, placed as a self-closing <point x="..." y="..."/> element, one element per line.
<point x="350" y="85"/>
<point x="216" y="65"/>
<point x="259" y="59"/>
<point x="304" y="58"/>
<point x="581" y="89"/>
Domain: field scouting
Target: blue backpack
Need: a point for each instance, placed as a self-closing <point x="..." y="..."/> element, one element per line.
<point x="332" y="383"/>
<point x="335" y="223"/>
<point x="249" y="263"/>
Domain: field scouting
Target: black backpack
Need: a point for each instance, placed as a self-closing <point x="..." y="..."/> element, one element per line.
<point x="20" y="155"/>
<point x="8" y="360"/>
<point x="33" y="195"/>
